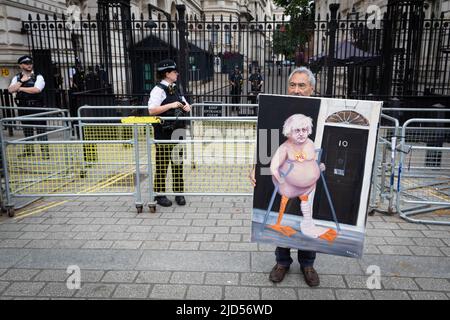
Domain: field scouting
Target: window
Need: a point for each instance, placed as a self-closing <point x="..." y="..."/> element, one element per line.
<point x="228" y="37"/>
<point x="147" y="77"/>
<point x="214" y="37"/>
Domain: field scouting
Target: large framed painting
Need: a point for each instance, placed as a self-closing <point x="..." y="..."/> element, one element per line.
<point x="313" y="172"/>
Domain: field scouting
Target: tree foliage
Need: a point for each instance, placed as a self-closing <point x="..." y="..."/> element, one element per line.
<point x="296" y="8"/>
<point x="297" y="30"/>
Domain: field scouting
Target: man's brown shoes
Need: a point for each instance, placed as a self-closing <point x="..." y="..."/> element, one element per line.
<point x="278" y="272"/>
<point x="309" y="273"/>
<point x="311" y="276"/>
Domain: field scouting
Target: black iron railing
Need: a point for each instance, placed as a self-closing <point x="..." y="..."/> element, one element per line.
<point x="403" y="54"/>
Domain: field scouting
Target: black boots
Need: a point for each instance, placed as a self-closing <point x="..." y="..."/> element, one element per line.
<point x="164" y="202"/>
<point x="28" y="151"/>
<point x="180" y="200"/>
<point x="45" y="152"/>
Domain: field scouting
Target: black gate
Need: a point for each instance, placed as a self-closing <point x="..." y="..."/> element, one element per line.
<point x="111" y="57"/>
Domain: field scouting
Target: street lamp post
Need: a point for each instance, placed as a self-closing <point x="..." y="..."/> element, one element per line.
<point x="151" y="24"/>
<point x="183" y="53"/>
<point x="183" y="46"/>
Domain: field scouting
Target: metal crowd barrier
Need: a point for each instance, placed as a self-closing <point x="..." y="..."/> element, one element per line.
<point x="200" y="126"/>
<point x="14" y="128"/>
<point x="2" y="176"/>
<point x="219" y="109"/>
<point x="68" y="167"/>
<point x="204" y="111"/>
<point x="205" y="136"/>
<point x="217" y="153"/>
<point x="384" y="169"/>
<point x="385" y="178"/>
<point x="12" y="112"/>
<point x="107" y="128"/>
<point x="424" y="171"/>
<point x="215" y="159"/>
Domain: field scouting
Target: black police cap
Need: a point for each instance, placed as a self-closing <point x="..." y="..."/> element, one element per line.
<point x="24" y="59"/>
<point x="166" y="65"/>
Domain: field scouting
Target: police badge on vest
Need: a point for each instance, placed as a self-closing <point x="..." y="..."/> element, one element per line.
<point x="173" y="94"/>
<point x="24" y="99"/>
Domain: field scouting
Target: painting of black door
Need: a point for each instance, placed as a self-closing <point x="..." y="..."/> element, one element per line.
<point x="344" y="152"/>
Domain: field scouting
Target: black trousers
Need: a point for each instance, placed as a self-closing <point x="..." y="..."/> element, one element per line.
<point x="29" y="131"/>
<point x="253" y="97"/>
<point x="235" y="95"/>
<point x="169" y="153"/>
<point x="305" y="258"/>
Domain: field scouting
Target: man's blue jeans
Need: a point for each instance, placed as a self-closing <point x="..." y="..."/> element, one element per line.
<point x="305" y="258"/>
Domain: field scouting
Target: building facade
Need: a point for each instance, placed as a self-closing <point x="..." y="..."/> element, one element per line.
<point x="115" y="46"/>
<point x="361" y="7"/>
<point x="14" y="42"/>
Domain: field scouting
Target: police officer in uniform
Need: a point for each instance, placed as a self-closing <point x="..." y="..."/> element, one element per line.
<point x="166" y="100"/>
<point x="28" y="88"/>
<point x="256" y="81"/>
<point x="236" y="82"/>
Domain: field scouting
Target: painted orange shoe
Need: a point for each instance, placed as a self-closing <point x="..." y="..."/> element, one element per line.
<point x="330" y="235"/>
<point x="286" y="230"/>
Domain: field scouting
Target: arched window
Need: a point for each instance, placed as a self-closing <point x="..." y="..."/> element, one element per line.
<point x="173" y="10"/>
<point x="348" y="117"/>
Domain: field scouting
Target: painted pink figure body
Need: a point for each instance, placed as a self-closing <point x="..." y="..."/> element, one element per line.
<point x="301" y="179"/>
<point x="295" y="171"/>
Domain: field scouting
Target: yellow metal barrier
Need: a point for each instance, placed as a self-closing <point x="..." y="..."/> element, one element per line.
<point x="70" y="168"/>
<point x="224" y="129"/>
<point x="133" y="120"/>
<point x="215" y="158"/>
<point x="198" y="167"/>
<point x="96" y="131"/>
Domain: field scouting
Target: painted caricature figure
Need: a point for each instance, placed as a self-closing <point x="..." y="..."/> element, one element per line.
<point x="295" y="171"/>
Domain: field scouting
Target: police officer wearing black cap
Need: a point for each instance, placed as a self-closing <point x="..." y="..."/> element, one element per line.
<point x="236" y="81"/>
<point x="256" y="81"/>
<point x="28" y="88"/>
<point x="166" y="100"/>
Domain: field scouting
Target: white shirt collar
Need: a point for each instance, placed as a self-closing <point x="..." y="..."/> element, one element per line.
<point x="164" y="82"/>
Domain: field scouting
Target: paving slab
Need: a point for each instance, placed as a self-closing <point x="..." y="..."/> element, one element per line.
<point x="203" y="251"/>
<point x="194" y="261"/>
<point x="84" y="258"/>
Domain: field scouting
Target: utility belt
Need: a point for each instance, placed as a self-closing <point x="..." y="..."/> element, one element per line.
<point x="169" y="126"/>
<point x="29" y="103"/>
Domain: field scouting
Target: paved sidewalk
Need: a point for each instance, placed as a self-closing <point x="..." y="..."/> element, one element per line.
<point x="201" y="251"/>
